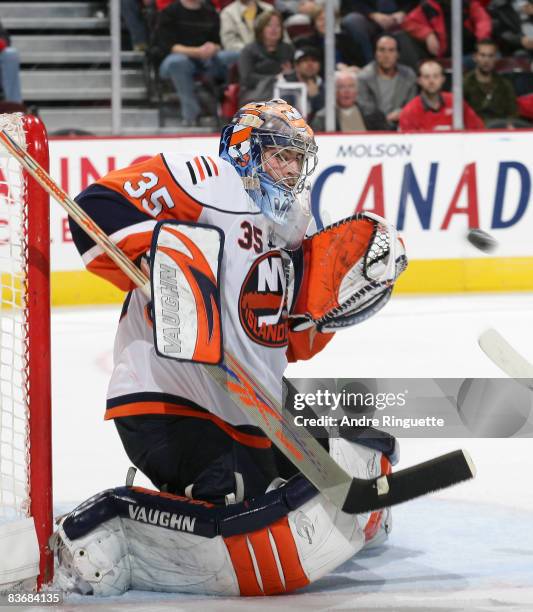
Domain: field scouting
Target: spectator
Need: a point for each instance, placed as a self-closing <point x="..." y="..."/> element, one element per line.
<point x="307" y="71"/>
<point x="428" y="29"/>
<point x="348" y="115"/>
<point x="526" y="9"/>
<point x="385" y="86"/>
<point x="263" y="61"/>
<point x="490" y="95"/>
<point x="432" y="109"/>
<point x="347" y="54"/>
<point x="297" y="12"/>
<point x="135" y="24"/>
<point x="187" y="44"/>
<point x="508" y="27"/>
<point x="237" y="22"/>
<point x="525" y="106"/>
<point x="10" y="69"/>
<point x="364" y="20"/>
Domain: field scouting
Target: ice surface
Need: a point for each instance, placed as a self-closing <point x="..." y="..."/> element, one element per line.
<point x="466" y="548"/>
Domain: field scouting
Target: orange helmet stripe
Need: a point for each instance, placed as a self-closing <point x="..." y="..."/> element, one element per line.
<point x="240" y="135"/>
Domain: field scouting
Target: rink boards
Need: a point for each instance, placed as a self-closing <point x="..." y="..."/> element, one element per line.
<point x="433" y="187"/>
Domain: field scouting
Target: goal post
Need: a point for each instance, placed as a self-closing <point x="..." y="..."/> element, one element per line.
<point x="25" y="375"/>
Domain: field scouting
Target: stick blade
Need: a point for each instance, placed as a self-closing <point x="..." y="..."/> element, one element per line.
<point x="496" y="347"/>
<point x="421" y="479"/>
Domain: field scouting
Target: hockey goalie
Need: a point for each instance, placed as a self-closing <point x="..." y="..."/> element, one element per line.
<point x="224" y="242"/>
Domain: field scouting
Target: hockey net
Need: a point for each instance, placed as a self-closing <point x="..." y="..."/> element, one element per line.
<point x="25" y="417"/>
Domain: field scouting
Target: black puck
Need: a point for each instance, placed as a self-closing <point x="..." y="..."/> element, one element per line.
<point x="482" y="240"/>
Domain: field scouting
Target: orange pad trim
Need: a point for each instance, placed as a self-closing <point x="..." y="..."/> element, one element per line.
<point x="294" y="576"/>
<point x="243" y="565"/>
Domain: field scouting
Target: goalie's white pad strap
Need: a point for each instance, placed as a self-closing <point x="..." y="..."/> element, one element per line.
<point x="19" y="552"/>
<point x="149" y="548"/>
<point x="185" y="264"/>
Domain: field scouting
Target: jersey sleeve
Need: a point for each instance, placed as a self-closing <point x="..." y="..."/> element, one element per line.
<point x="127" y="204"/>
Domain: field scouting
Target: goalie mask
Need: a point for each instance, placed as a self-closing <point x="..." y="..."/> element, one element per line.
<point x="274" y="151"/>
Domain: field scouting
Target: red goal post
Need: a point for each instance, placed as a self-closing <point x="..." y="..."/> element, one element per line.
<point x="25" y="375"/>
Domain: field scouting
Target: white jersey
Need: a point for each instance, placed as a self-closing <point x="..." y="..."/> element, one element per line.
<point x="252" y="283"/>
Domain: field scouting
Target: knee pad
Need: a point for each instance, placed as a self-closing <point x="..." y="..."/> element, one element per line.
<point x="97" y="563"/>
<point x="131" y="537"/>
<point x="361" y="461"/>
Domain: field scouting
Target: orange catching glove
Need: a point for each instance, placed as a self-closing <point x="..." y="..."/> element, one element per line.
<point x="349" y="270"/>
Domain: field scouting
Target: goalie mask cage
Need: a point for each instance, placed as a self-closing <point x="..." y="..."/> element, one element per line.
<point x="25" y="396"/>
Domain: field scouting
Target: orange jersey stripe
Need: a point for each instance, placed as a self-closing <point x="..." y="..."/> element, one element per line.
<point x="138" y="408"/>
<point x="215" y="167"/>
<point x="133" y="246"/>
<point x="200" y="169"/>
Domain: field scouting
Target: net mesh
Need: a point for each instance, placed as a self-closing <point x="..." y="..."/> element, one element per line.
<point x="14" y="443"/>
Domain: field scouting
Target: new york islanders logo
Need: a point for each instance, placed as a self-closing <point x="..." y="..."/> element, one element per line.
<point x="262" y="303"/>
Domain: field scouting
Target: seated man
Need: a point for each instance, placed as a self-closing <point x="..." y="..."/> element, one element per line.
<point x="187" y="44"/>
<point x="428" y="30"/>
<point x="9" y="69"/>
<point x="490" y="95"/>
<point x="132" y="14"/>
<point x="297" y="12"/>
<point x="433" y="108"/>
<point x="512" y="26"/>
<point x="347" y="55"/>
<point x="349" y="117"/>
<point x="307" y="71"/>
<point x="224" y="522"/>
<point x="385" y="86"/>
<point x="365" y="20"/>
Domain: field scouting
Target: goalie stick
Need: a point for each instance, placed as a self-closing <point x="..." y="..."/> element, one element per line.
<point x="496" y="347"/>
<point x="354" y="495"/>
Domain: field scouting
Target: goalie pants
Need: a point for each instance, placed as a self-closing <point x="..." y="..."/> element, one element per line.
<point x="196" y="458"/>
